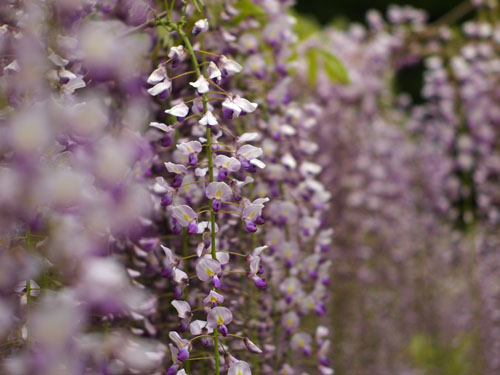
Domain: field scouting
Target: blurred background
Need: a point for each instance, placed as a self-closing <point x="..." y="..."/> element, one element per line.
<point x="326" y="10"/>
<point x="413" y="293"/>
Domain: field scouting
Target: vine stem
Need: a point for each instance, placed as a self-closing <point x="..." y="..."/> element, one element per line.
<point x="145" y="25"/>
<point x="196" y="66"/>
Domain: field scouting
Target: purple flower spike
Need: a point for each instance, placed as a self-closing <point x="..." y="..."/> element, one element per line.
<point x="307" y="351"/>
<point x="192" y="227"/>
<point x="260" y="220"/>
<point x="250" y="226"/>
<point x="183" y="354"/>
<point x="324" y="361"/>
<point x="223" y="330"/>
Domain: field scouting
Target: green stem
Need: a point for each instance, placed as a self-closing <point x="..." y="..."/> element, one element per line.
<point x="196" y="66"/>
<point x="185" y="249"/>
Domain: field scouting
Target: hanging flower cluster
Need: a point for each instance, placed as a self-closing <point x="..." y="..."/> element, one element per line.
<point x="245" y="249"/>
<point x="160" y="208"/>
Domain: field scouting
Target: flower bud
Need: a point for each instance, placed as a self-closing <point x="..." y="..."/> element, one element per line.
<point x="250" y="227"/>
<point x="216" y="205"/>
<point x="166" y="200"/>
<point x="192" y="227"/>
<point x="183" y="354"/>
<point x="216" y="282"/>
<point x="177" y="181"/>
<point x="172" y="370"/>
<point x="223" y="330"/>
<point x="252" y="348"/>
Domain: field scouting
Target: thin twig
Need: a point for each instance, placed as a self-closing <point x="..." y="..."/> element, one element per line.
<point x="145" y="25"/>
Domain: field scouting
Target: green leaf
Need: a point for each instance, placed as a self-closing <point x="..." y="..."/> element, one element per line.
<point x="305" y="26"/>
<point x="247" y="9"/>
<point x="164" y="36"/>
<point x="334" y="68"/>
<point x="312" y="66"/>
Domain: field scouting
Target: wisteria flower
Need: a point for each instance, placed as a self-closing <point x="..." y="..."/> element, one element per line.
<point x="218" y="192"/>
<point x="180" y="111"/>
<point x="247" y="137"/>
<point x="239" y="368"/>
<point x="161" y="82"/>
<point x="219" y="317"/>
<point x="179" y="170"/>
<point x="213" y="299"/>
<point x="291" y="288"/>
<point x="191" y="149"/>
<point x="252" y="213"/>
<point x="208" y="119"/>
<point x="254" y="270"/>
<point x="200" y="26"/>
<point x="182" y="346"/>
<point x="167" y="139"/>
<point x="199" y="327"/>
<point x="252" y="348"/>
<point x="226" y="164"/>
<point x="186" y="217"/>
<point x="302" y="341"/>
<point x="248" y="155"/>
<point x="290" y="321"/>
<point x="245" y="105"/>
<point x="176" y="53"/>
<point x="209" y="269"/>
<point x="158" y="75"/>
<point x="230" y="109"/>
<point x="201" y="85"/>
<point x="229" y="66"/>
<point x="183" y="309"/>
<point x="214" y="72"/>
